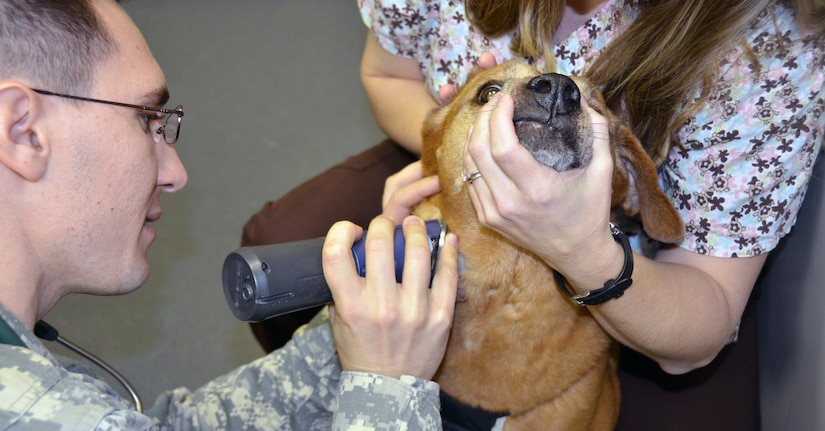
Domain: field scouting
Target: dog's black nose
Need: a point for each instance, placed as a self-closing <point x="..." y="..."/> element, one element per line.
<point x="557" y="93"/>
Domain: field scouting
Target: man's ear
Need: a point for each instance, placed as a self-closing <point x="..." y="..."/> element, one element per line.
<point x="23" y="148"/>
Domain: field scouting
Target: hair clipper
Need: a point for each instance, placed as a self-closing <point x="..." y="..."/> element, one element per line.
<point x="266" y="281"/>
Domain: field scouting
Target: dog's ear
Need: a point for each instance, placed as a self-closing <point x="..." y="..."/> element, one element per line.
<point x="432" y="134"/>
<point x="635" y="182"/>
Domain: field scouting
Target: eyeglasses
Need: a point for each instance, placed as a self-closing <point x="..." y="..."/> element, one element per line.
<point x="170" y="129"/>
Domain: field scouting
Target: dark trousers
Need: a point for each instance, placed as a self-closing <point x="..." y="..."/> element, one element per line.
<point x="723" y="396"/>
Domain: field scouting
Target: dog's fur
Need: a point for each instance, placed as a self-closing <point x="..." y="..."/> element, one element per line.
<point x="519" y="345"/>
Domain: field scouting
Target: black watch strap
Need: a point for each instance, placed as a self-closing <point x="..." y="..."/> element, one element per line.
<point x="612" y="288"/>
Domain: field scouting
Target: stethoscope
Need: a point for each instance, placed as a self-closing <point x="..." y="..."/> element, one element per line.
<point x="47" y="332"/>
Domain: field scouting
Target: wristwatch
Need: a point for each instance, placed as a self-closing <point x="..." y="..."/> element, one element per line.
<point x="612" y="288"/>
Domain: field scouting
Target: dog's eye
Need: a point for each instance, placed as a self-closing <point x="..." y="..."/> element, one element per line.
<point x="487" y="92"/>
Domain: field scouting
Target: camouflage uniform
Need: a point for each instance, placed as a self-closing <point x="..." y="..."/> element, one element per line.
<point x="298" y="387"/>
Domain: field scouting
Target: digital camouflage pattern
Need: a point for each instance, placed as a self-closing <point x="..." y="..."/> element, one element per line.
<point x="299" y="387"/>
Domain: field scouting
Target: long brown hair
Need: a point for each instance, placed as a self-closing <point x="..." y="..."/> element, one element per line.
<point x="534" y="21"/>
<point x="670" y="52"/>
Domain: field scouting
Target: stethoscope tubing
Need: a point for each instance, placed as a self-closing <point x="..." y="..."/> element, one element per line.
<point x="47" y="332"/>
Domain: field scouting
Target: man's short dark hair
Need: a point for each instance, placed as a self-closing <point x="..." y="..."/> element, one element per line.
<point x="54" y="44"/>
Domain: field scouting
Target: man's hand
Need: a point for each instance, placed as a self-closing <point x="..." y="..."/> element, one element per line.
<point x="379" y="325"/>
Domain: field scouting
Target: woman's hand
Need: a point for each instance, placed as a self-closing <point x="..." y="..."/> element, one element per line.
<point x="382" y="326"/>
<point x="692" y="301"/>
<point x="406" y="189"/>
<point x="558" y="215"/>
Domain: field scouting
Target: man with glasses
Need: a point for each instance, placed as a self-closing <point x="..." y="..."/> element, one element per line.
<point x="86" y="150"/>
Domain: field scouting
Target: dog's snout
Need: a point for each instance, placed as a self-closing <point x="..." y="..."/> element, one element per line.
<point x="557" y="93"/>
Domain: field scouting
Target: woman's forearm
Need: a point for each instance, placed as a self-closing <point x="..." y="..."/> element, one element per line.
<point x="398" y="97"/>
<point x="679" y="314"/>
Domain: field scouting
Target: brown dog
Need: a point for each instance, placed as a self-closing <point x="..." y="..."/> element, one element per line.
<point x="518" y="345"/>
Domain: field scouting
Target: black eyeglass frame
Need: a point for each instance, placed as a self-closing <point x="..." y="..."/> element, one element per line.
<point x="161" y="131"/>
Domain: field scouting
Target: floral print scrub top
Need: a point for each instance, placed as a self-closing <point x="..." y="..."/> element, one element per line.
<point x="739" y="177"/>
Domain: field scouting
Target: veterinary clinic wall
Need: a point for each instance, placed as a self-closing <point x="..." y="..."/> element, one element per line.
<point x="792" y="322"/>
<point x="272" y="97"/>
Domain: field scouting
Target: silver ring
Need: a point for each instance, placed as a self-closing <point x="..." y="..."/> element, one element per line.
<point x="472" y="176"/>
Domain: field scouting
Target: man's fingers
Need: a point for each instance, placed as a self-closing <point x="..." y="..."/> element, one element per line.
<point x="445" y="282"/>
<point x="338" y="263"/>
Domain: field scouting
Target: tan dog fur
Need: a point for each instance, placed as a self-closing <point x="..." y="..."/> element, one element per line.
<point x="519" y="345"/>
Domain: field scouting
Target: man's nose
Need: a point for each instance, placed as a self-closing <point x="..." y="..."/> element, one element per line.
<point x="172" y="175"/>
